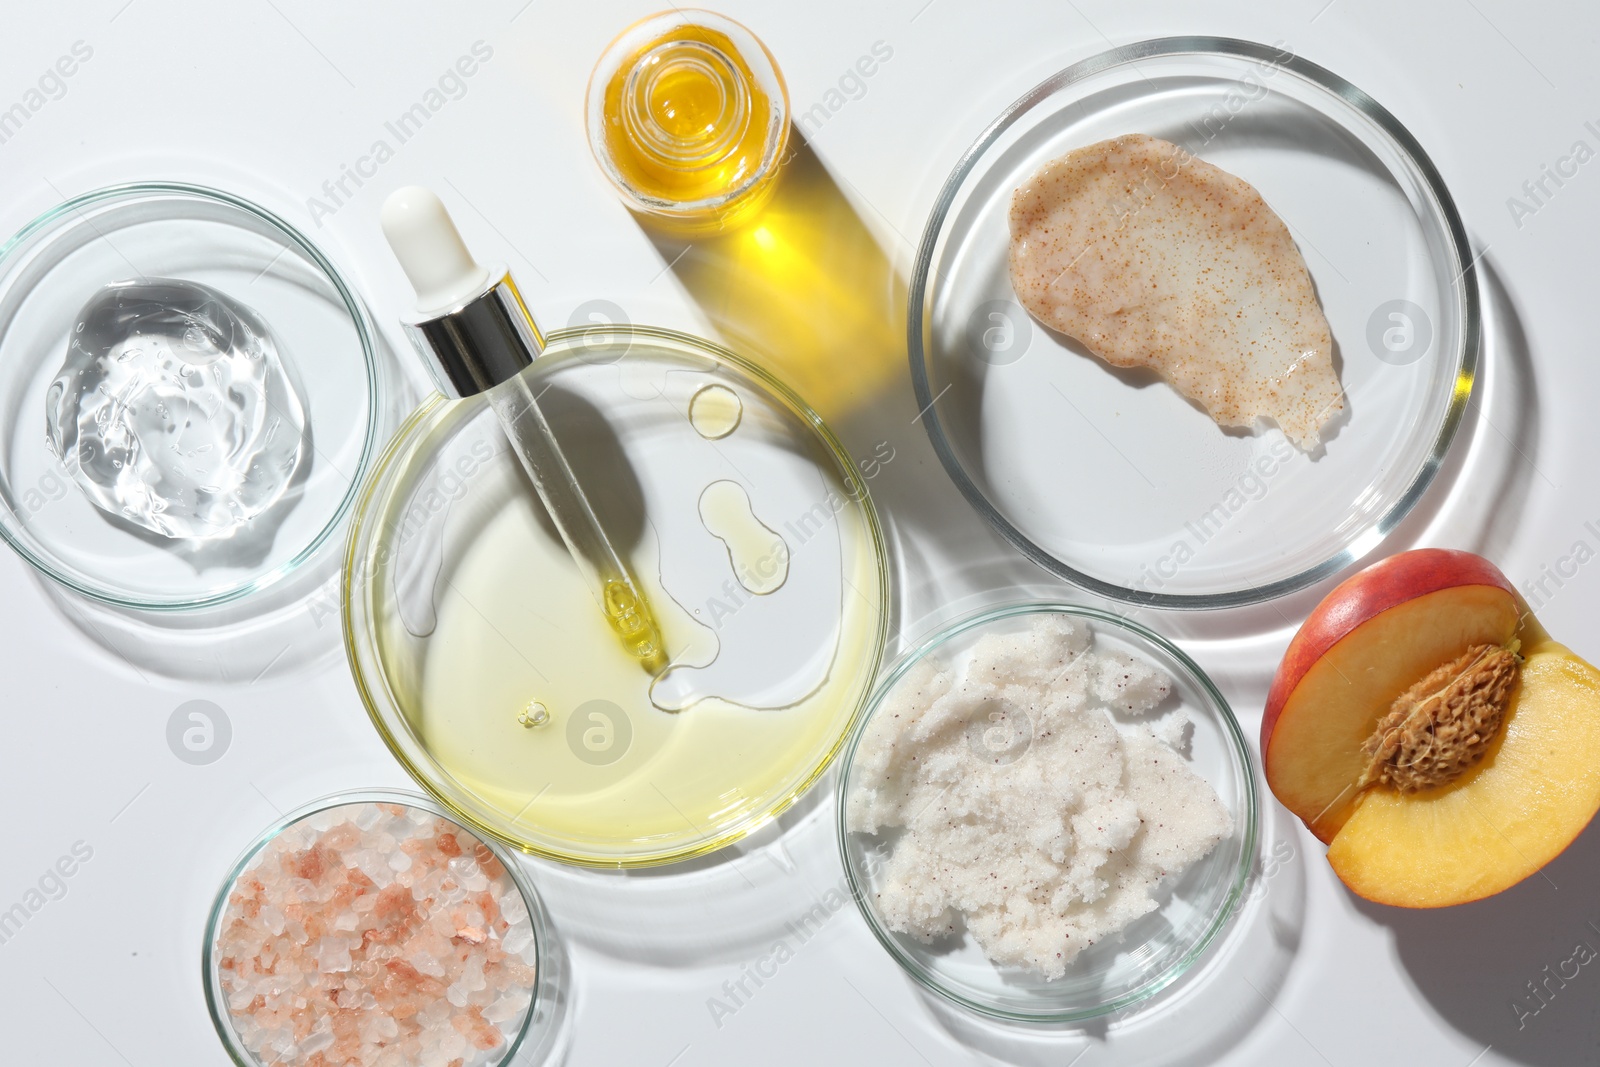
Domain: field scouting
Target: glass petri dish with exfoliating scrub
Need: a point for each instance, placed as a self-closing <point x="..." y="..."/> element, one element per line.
<point x="493" y="677"/>
<point x="189" y="394"/>
<point x="369" y="926"/>
<point x="1047" y="813"/>
<point x="688" y="117"/>
<point x="1106" y="476"/>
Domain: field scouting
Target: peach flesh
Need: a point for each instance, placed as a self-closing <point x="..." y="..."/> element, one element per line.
<point x="1502" y="821"/>
<point x="1341" y="696"/>
<point x="1368" y="641"/>
<point x="1358" y="599"/>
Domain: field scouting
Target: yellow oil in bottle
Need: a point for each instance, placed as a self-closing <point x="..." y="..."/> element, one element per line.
<point x="801" y="284"/>
<point x="689" y="130"/>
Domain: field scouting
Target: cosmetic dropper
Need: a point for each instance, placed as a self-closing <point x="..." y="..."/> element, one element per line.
<point x="478" y="337"/>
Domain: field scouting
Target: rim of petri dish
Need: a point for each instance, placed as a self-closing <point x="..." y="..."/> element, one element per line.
<point x="35" y="553"/>
<point x="1237" y="748"/>
<point x="1358" y="105"/>
<point x="546" y="962"/>
<point x="384" y="706"/>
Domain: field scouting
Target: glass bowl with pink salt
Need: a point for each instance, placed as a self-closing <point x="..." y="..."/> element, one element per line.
<point x="370" y="928"/>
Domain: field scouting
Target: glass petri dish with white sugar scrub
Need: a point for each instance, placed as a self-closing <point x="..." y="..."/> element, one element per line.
<point x="1048" y="812"/>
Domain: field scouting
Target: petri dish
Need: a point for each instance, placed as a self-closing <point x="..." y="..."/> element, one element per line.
<point x="151" y="232"/>
<point x="1107" y="477"/>
<point x="526" y="1032"/>
<point x="489" y="670"/>
<point x="1193" y="908"/>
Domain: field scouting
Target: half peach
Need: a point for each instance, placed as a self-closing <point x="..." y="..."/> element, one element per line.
<point x="1426" y="727"/>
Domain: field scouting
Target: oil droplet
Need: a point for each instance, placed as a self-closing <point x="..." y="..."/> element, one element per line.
<point x="758" y="554"/>
<point x="535" y="714"/>
<point x="715" y="411"/>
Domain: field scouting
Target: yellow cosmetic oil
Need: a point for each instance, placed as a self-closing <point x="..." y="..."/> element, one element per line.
<point x="607" y="765"/>
<point x="688" y="118"/>
<point x="757" y="554"/>
<point x="501" y="688"/>
<point x="630" y="619"/>
<point x="715" y="412"/>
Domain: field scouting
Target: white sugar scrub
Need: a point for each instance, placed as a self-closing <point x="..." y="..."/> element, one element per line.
<point x="1038" y="792"/>
<point x="379" y="935"/>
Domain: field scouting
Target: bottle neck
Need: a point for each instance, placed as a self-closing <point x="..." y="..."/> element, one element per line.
<point x="686" y="104"/>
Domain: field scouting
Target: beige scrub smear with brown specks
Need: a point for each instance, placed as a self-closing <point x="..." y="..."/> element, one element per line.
<point x="1150" y="257"/>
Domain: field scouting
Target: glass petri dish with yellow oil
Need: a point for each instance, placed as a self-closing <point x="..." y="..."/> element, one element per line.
<point x="487" y="669"/>
<point x="688" y="117"/>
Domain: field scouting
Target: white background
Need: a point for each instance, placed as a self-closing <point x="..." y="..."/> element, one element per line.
<point x="269" y="99"/>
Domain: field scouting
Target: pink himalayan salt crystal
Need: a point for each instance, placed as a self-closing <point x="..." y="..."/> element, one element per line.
<point x="372" y="935"/>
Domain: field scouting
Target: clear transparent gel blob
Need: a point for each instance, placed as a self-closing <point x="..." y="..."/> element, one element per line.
<point x="173" y="410"/>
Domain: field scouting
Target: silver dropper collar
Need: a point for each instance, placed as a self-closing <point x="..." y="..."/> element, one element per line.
<point x="481" y="342"/>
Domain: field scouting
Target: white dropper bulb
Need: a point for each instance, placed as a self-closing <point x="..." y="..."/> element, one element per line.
<point x="430" y="250"/>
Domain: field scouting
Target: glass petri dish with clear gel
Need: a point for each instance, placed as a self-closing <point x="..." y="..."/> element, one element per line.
<point x="491" y="672"/>
<point x="188" y="396"/>
<point x="1107" y="477"/>
<point x="1193" y="909"/>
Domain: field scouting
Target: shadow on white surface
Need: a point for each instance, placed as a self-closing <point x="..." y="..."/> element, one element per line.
<point x="1479" y="495"/>
<point x="1509" y="971"/>
<point x="724" y="908"/>
<point x="288" y="629"/>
